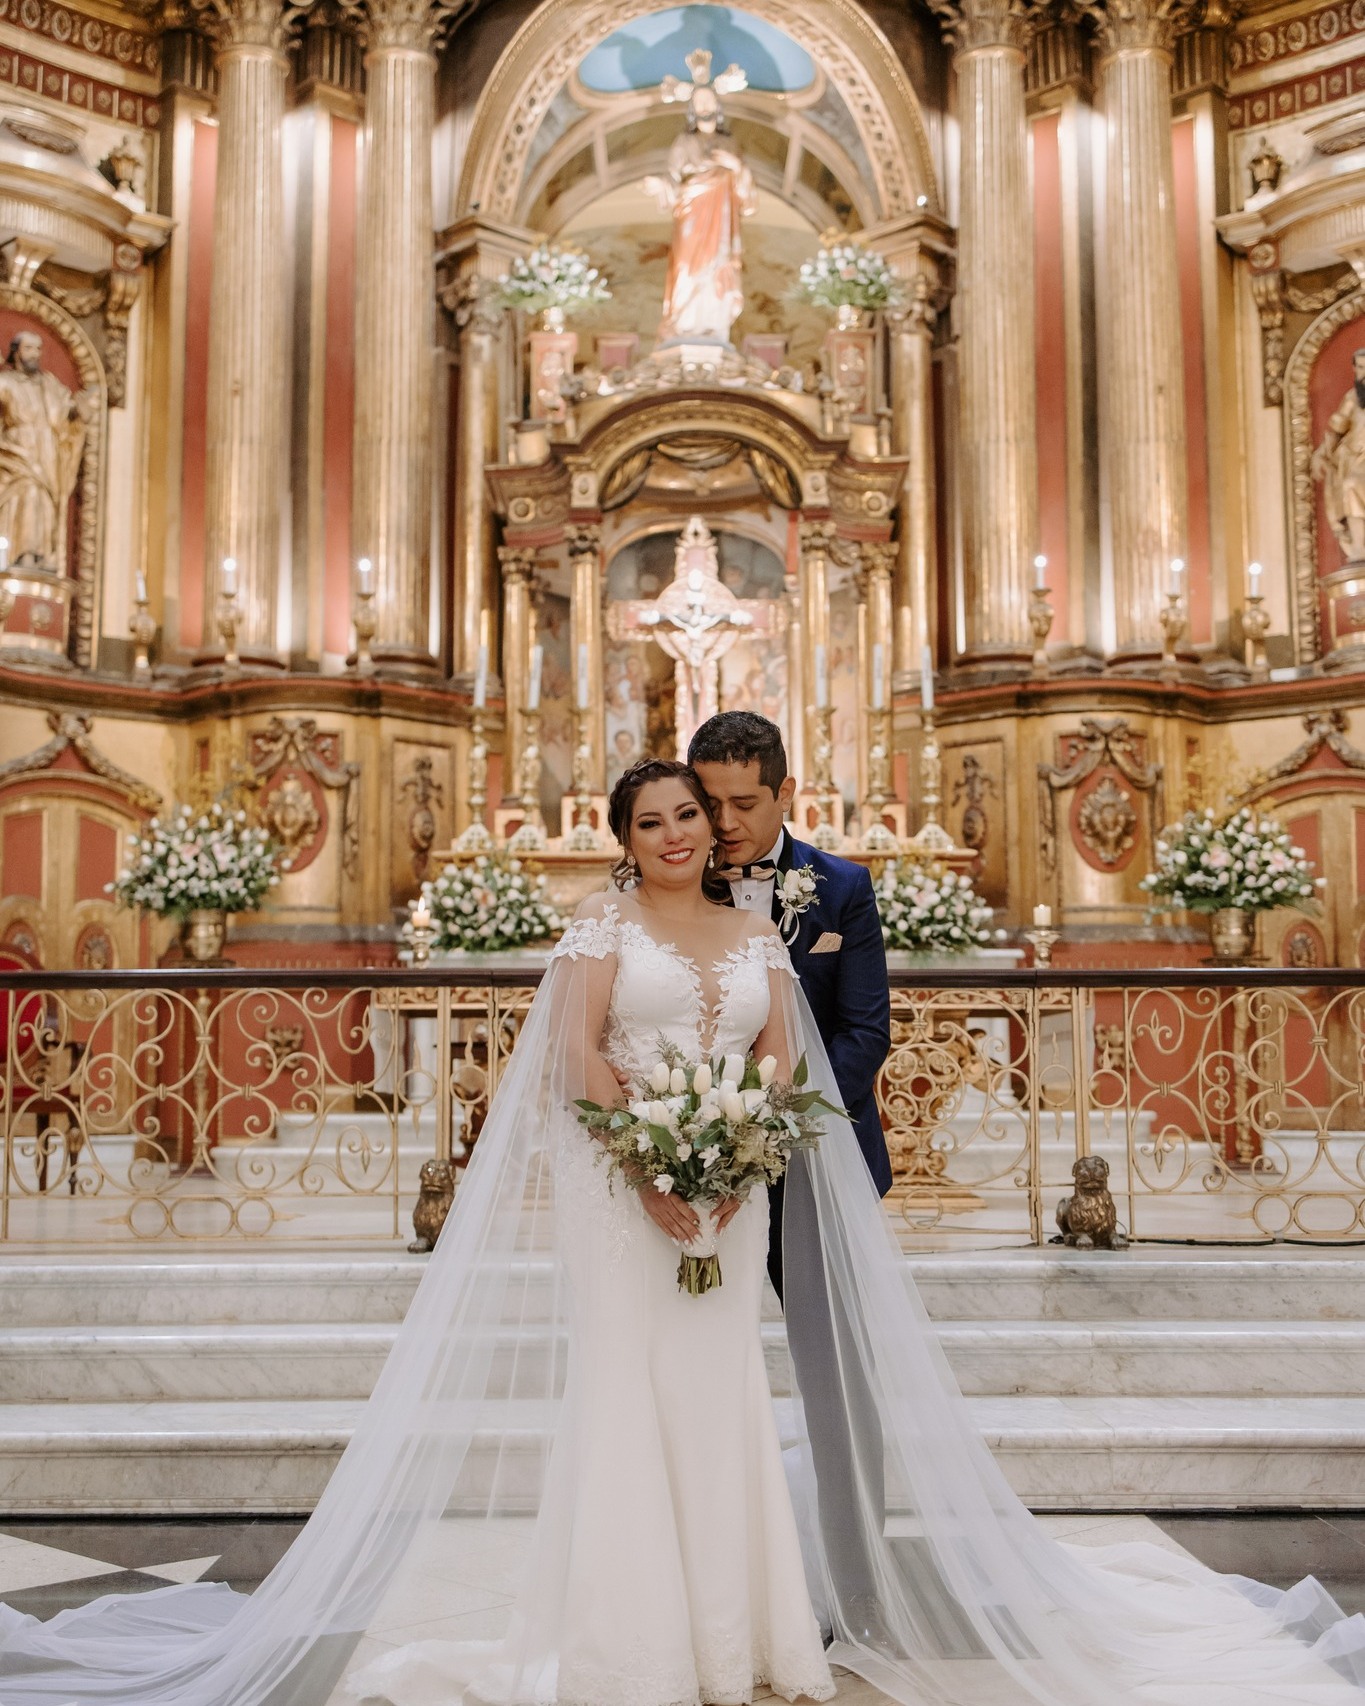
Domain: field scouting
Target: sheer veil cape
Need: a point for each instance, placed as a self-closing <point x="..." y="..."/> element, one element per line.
<point x="970" y="1602"/>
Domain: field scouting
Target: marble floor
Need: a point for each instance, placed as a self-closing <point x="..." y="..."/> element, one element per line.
<point x="461" y="1587"/>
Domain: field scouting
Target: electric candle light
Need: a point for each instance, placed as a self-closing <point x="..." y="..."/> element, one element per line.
<point x="879" y="677"/>
<point x="229" y="577"/>
<point x="1254" y="579"/>
<point x="141" y="588"/>
<point x="533" y="685"/>
<point x="4" y="554"/>
<point x="821" y="678"/>
<point x="1177" y="569"/>
<point x="481" y="679"/>
<point x="421" y="916"/>
<point x="364" y="576"/>
<point x="926" y="680"/>
<point x="1042" y="916"/>
<point x="1040" y="571"/>
<point x="582" y="695"/>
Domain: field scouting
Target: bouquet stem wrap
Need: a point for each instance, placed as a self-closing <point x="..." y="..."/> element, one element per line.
<point x="699" y="1268"/>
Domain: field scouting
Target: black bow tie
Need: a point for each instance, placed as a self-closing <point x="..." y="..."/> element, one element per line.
<point x="763" y="872"/>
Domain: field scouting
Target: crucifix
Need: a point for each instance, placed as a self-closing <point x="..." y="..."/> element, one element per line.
<point x="695" y="620"/>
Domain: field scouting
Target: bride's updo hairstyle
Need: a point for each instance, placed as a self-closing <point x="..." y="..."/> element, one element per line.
<point x="621" y="815"/>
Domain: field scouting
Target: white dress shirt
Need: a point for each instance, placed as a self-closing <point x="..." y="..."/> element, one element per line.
<point x="750" y="894"/>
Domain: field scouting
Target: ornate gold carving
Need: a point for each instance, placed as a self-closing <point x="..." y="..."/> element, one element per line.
<point x="291" y="815"/>
<point x="1099" y="741"/>
<point x="1268" y="293"/>
<point x="972" y="24"/>
<point x="1298" y="374"/>
<point x="1265" y="166"/>
<point x="119" y="298"/>
<point x="412" y="26"/>
<point x="237" y="24"/>
<point x="1324" y="729"/>
<point x="471" y="304"/>
<point x="299" y="740"/>
<point x="1111" y="1050"/>
<point x="421" y="788"/>
<point x="1124" y="25"/>
<point x="1107" y="821"/>
<point x="283" y="1041"/>
<point x="72" y="729"/>
<point x="973" y="785"/>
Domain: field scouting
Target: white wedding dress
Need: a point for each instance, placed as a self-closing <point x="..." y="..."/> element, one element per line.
<point x="670" y="1564"/>
<point x="682" y="1580"/>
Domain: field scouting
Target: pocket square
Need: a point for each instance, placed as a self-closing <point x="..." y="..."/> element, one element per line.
<point x="829" y="943"/>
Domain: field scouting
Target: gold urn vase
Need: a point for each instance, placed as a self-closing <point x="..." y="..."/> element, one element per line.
<point x="202" y="935"/>
<point x="1232" y="933"/>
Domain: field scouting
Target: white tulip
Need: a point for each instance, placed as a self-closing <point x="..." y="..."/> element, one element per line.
<point x="677" y="1081"/>
<point x="640" y="1110"/>
<point x="660" y="1076"/>
<point x="663" y="1184"/>
<point x="767" y="1070"/>
<point x="732" y="1069"/>
<point x="732" y="1106"/>
<point x="701" y="1079"/>
<point x="753" y="1100"/>
<point x="684" y="1152"/>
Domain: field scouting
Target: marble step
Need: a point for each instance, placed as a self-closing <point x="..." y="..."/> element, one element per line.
<point x="307" y="1361"/>
<point x="1059" y="1454"/>
<point x="1144" y="1284"/>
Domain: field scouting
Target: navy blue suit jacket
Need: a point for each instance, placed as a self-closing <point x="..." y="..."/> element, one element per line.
<point x="847" y="988"/>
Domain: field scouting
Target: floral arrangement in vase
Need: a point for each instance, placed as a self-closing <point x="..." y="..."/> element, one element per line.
<point x="1242" y="861"/>
<point x="550" y="280"/>
<point x="848" y="278"/>
<point x="490" y="904"/>
<point x="929" y="909"/>
<point x="198" y="865"/>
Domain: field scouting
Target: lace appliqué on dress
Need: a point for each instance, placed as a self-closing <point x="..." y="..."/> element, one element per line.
<point x="768" y="950"/>
<point x="590" y="938"/>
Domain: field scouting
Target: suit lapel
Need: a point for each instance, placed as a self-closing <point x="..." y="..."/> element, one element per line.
<point x="784" y="864"/>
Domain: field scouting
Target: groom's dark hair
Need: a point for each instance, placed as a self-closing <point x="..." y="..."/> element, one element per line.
<point x="742" y="737"/>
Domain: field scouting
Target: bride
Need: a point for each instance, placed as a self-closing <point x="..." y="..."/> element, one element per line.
<point x="680" y="1554"/>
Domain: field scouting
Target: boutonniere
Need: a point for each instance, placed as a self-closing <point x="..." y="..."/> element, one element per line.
<point x="795" y="895"/>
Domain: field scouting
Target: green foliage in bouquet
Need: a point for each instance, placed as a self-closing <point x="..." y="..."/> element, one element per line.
<point x="551" y="276"/>
<point x="1244" y="860"/>
<point x="209" y="859"/>
<point x="492" y="903"/>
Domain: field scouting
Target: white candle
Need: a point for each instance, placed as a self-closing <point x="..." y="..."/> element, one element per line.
<point x="229" y="577"/>
<point x="4" y="554"/>
<point x="1040" y="571"/>
<point x="821" y="678"/>
<point x="879" y="677"/>
<point x="1042" y="916"/>
<point x="926" y="680"/>
<point x="141" y="588"/>
<point x="364" y="576"/>
<point x="421" y="914"/>
<point x="1177" y="569"/>
<point x="582" y="694"/>
<point x="533" y="685"/>
<point x="481" y="679"/>
<point x="1254" y="579"/>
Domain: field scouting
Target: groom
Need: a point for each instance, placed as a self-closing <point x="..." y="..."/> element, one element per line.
<point x="828" y="917"/>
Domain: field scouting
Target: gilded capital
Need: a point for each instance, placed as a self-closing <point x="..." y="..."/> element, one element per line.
<point x="249" y="23"/>
<point x="917" y="311"/>
<point x="1136" y="26"/>
<point x="390" y="26"/>
<point x="969" y="25"/>
<point x="583" y="538"/>
<point x="518" y="564"/>
<point x="468" y="300"/>
<point x="818" y="536"/>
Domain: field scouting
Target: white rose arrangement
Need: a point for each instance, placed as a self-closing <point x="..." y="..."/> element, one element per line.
<point x="552" y="276"/>
<point x="844" y="274"/>
<point x="490" y="904"/>
<point x="929" y="909"/>
<point x="1206" y="864"/>
<point x="198" y="861"/>
<point x="705" y="1131"/>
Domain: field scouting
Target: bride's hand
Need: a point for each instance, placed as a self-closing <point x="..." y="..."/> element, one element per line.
<point x="674" y="1217"/>
<point x="729" y="1208"/>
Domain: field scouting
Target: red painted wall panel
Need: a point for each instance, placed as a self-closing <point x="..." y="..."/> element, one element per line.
<point x="21" y="856"/>
<point x="96" y="857"/>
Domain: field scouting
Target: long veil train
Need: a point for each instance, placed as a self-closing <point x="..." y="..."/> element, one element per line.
<point x="974" y="1604"/>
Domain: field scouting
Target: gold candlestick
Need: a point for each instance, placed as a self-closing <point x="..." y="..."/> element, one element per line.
<point x="227" y="628"/>
<point x="1172" y="627"/>
<point x="421" y="937"/>
<point x="366" y="625"/>
<point x="142" y="626"/>
<point x="931" y="836"/>
<point x="1043" y="941"/>
<point x="1040" y="616"/>
<point x="476" y="838"/>
<point x="6" y="600"/>
<point x="530" y="835"/>
<point x="582" y="838"/>
<point x="876" y="837"/>
<point x="1256" y="625"/>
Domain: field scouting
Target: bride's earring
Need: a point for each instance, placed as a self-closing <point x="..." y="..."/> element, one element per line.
<point x="632" y="869"/>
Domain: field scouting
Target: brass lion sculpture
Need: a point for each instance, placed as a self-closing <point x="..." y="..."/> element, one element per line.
<point x="433" y="1204"/>
<point x="1089" y="1220"/>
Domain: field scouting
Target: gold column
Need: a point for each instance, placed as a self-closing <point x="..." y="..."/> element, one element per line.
<point x="915" y="623"/>
<point x="997" y="431"/>
<point x="395" y="330"/>
<point x="519" y="590"/>
<point x="476" y="446"/>
<point x="584" y="543"/>
<point x="817" y="544"/>
<point x="1142" y="429"/>
<point x="876" y="605"/>
<point x="247" y="449"/>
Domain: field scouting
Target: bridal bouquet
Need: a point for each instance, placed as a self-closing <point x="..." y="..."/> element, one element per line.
<point x="706" y="1132"/>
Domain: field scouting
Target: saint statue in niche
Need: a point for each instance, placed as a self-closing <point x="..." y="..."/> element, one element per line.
<point x="42" y="435"/>
<point x="709" y="189"/>
<point x="1339" y="462"/>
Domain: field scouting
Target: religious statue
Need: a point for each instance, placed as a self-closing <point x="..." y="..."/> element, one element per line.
<point x="709" y="189"/>
<point x="42" y="436"/>
<point x="695" y="620"/>
<point x="1339" y="462"/>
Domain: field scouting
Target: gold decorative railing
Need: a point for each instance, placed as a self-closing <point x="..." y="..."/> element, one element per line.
<point x="241" y="1105"/>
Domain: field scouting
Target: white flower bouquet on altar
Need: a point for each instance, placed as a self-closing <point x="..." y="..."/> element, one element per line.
<point x="552" y="277"/>
<point x="1243" y="861"/>
<point x="209" y="860"/>
<point x="930" y="910"/>
<point x="706" y="1132"/>
<point x="844" y="274"/>
<point x="488" y="905"/>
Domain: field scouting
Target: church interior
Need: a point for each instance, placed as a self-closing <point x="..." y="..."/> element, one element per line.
<point x="417" y="411"/>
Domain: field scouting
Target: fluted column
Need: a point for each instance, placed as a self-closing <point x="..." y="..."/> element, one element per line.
<point x="395" y="327"/>
<point x="519" y="592"/>
<point x="473" y="592"/>
<point x="912" y="378"/>
<point x="998" y="452"/>
<point x="247" y="447"/>
<point x="817" y="544"/>
<point x="1142" y="431"/>
<point x="584" y="543"/>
